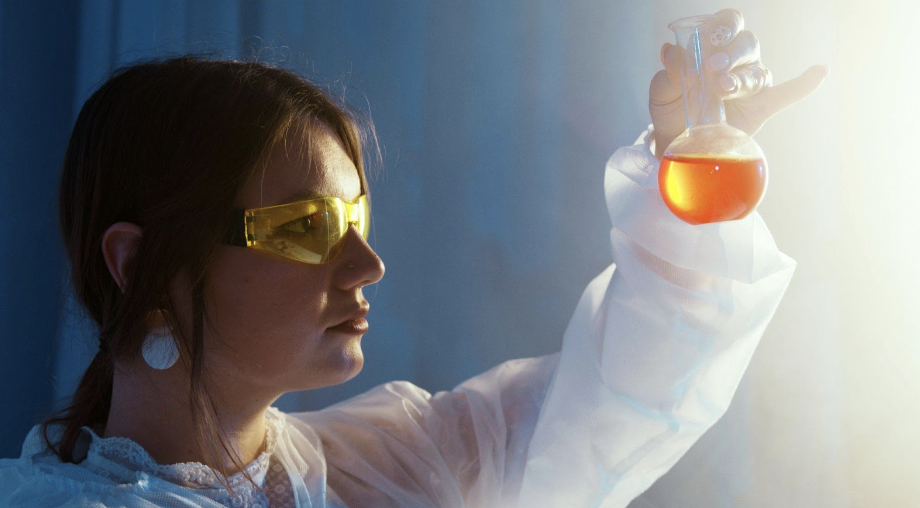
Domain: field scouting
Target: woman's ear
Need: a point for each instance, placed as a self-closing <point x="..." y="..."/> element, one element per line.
<point x="119" y="243"/>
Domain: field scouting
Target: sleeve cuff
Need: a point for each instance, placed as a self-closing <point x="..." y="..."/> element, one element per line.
<point x="743" y="250"/>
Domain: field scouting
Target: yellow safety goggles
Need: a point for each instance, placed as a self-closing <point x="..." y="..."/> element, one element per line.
<point x="309" y="231"/>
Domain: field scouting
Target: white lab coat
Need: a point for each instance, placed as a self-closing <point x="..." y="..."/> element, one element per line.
<point x="650" y="360"/>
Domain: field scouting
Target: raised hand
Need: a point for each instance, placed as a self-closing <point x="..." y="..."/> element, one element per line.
<point x="748" y="91"/>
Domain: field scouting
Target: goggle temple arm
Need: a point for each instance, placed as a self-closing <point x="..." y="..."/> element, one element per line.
<point x="236" y="235"/>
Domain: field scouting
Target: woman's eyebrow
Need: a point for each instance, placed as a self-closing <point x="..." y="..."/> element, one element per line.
<point x="307" y="194"/>
<point x="303" y="196"/>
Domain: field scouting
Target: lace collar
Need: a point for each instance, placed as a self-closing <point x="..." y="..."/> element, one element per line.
<point x="134" y="457"/>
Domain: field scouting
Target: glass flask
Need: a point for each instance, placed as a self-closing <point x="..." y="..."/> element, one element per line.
<point x="712" y="172"/>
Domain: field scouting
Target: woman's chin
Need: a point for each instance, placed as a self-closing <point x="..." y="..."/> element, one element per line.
<point x="352" y="361"/>
<point x="341" y="366"/>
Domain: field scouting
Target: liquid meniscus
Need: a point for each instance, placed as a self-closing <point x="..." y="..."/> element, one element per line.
<point x="704" y="189"/>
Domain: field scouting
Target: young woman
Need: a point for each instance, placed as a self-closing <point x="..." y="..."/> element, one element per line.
<point x="215" y="216"/>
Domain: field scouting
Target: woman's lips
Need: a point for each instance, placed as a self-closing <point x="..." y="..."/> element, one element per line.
<point x="354" y="327"/>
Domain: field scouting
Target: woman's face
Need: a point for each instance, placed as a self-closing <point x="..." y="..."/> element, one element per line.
<point x="271" y="315"/>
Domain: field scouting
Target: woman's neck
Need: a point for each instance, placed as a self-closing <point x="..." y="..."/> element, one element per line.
<point x="152" y="408"/>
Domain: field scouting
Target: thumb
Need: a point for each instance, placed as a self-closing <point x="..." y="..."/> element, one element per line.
<point x="779" y="97"/>
<point x="665" y="87"/>
<point x="670" y="58"/>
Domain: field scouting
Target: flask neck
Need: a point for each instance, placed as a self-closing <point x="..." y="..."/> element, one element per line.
<point x="701" y="104"/>
<point x="699" y="86"/>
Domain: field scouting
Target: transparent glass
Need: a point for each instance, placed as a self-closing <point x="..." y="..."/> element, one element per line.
<point x="307" y="231"/>
<point x="712" y="172"/>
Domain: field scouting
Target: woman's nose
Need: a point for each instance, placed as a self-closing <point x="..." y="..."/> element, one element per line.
<point x="358" y="264"/>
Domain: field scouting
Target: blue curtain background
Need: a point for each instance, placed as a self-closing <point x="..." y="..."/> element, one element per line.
<point x="496" y="119"/>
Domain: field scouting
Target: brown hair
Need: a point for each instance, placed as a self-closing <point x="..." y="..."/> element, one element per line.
<point x="167" y="144"/>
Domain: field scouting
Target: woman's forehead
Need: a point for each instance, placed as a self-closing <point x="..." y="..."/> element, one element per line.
<point x="311" y="165"/>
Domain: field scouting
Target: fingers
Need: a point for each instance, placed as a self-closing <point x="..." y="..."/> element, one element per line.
<point x="777" y="98"/>
<point x="731" y="55"/>
<point x="749" y="80"/>
<point x="671" y="56"/>
<point x="731" y="59"/>
<point x="743" y="50"/>
<point x="664" y="90"/>
<point x="742" y="73"/>
<point x="722" y="29"/>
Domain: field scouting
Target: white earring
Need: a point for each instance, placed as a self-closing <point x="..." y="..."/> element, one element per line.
<point x="160" y="349"/>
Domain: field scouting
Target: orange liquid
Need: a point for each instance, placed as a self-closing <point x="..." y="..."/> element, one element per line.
<point x="700" y="190"/>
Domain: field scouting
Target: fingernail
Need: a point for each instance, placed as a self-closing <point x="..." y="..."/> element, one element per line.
<point x="720" y="35"/>
<point x="718" y="61"/>
<point x="728" y="82"/>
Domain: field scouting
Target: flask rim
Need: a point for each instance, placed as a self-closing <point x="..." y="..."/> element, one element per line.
<point x="690" y="21"/>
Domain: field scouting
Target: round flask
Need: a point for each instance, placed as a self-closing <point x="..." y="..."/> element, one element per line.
<point x="712" y="172"/>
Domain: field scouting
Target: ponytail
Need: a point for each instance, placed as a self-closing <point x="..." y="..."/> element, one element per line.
<point x="90" y="405"/>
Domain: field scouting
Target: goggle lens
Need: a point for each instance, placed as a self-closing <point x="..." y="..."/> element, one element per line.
<point x="308" y="231"/>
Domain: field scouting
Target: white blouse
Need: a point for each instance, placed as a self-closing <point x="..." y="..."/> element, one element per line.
<point x="650" y="360"/>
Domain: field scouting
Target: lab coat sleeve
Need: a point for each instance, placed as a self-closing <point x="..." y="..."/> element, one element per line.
<point x="650" y="360"/>
<point x="656" y="347"/>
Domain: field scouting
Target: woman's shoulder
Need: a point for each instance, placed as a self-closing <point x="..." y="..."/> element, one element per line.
<point x="40" y="478"/>
<point x="13" y="472"/>
<point x="386" y="394"/>
<point x="402" y="408"/>
<point x="388" y="415"/>
<point x="27" y="482"/>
